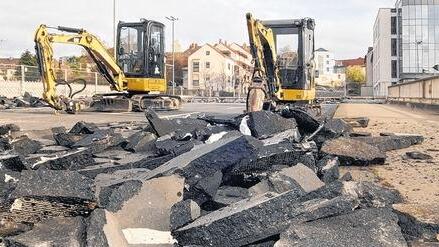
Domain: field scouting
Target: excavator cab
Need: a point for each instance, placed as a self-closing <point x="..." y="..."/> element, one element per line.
<point x="141" y="55"/>
<point x="294" y="44"/>
<point x="294" y="41"/>
<point x="283" y="51"/>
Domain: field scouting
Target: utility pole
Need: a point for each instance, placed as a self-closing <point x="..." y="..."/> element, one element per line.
<point x="114" y="29"/>
<point x="1" y="41"/>
<point x="173" y="19"/>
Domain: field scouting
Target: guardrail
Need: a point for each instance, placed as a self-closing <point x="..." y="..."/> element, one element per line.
<point x="423" y="91"/>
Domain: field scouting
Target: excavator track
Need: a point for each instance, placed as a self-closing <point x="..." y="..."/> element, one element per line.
<point x="123" y="102"/>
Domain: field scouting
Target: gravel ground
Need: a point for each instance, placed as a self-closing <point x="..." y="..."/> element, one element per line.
<point x="416" y="180"/>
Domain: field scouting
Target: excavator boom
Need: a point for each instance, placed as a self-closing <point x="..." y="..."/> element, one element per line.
<point x="44" y="41"/>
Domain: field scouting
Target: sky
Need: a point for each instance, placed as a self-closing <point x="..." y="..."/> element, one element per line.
<point x="342" y="26"/>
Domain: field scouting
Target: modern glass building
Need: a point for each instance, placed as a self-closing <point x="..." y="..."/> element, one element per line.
<point x="417" y="44"/>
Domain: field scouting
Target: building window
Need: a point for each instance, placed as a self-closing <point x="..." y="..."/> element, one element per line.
<point x="228" y="65"/>
<point x="327" y="56"/>
<point x="207" y="78"/>
<point x="196" y="83"/>
<point x="327" y="62"/>
<point x="207" y="53"/>
<point x="394" y="47"/>
<point x="196" y="66"/>
<point x="207" y="65"/>
<point x="393" y="25"/>
<point x="394" y="69"/>
<point x="327" y="69"/>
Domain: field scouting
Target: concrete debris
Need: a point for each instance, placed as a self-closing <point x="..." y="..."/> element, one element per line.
<point x="418" y="155"/>
<point x="183" y="213"/>
<point x="363" y="228"/>
<point x="265" y="124"/>
<point x="352" y="152"/>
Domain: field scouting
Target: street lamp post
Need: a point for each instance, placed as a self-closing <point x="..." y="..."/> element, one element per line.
<point x="173" y="19"/>
<point x="418" y="43"/>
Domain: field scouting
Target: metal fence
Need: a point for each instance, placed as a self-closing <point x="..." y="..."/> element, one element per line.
<point x="15" y="80"/>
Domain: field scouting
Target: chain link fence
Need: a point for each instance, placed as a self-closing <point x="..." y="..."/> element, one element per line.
<point x="15" y="80"/>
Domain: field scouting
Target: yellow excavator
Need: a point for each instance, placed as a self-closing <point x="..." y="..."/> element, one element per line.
<point x="137" y="74"/>
<point x="284" y="67"/>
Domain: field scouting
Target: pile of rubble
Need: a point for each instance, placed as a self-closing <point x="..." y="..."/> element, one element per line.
<point x="27" y="100"/>
<point x="258" y="179"/>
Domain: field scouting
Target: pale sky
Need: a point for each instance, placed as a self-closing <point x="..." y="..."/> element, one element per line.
<point x="342" y="26"/>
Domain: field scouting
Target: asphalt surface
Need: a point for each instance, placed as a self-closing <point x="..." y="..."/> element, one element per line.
<point x="46" y="118"/>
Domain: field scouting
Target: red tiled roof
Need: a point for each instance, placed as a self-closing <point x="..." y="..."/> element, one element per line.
<point x="351" y="62"/>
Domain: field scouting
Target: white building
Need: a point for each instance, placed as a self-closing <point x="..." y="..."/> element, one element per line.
<point x="219" y="67"/>
<point x="384" y="52"/>
<point x="326" y="74"/>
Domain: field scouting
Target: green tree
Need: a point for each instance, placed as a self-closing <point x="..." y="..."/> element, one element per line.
<point x="355" y="74"/>
<point x="27" y="58"/>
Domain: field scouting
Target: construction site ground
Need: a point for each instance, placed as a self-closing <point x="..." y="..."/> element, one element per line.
<point x="417" y="181"/>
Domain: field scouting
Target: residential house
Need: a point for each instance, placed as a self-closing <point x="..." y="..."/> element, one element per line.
<point x="220" y="67"/>
<point x="326" y="75"/>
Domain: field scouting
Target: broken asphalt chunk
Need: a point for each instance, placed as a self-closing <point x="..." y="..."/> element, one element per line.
<point x="164" y="126"/>
<point x="62" y="186"/>
<point x="12" y="162"/>
<point x="298" y="177"/>
<point x="362" y="228"/>
<point x="83" y="128"/>
<point x="183" y="213"/>
<point x="352" y="152"/>
<point x="418" y="155"/>
<point x="61" y="231"/>
<point x="25" y="146"/>
<point x="258" y="218"/>
<point x="71" y="160"/>
<point x="103" y="230"/>
<point x="392" y="142"/>
<point x="8" y="128"/>
<point x="141" y="142"/>
<point x="361" y="122"/>
<point x="114" y="196"/>
<point x="264" y="124"/>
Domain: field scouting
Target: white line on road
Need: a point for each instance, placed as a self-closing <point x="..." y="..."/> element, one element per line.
<point x="180" y="115"/>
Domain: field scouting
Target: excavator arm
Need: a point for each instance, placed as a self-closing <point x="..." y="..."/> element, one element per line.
<point x="106" y="64"/>
<point x="265" y="80"/>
